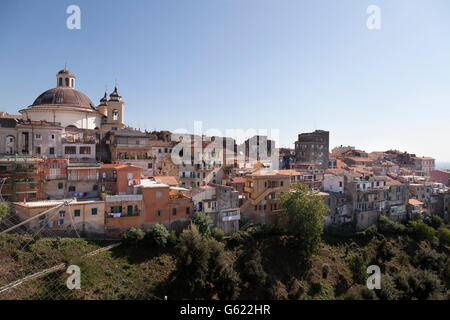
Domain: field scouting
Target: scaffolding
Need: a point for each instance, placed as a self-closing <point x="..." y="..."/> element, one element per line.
<point x="16" y="168"/>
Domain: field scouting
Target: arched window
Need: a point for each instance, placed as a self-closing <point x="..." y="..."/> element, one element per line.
<point x="60" y="82"/>
<point x="71" y="83"/>
<point x="115" y="115"/>
<point x="67" y="82"/>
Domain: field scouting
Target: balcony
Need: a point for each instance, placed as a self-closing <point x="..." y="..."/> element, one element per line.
<point x="83" y="178"/>
<point x="56" y="177"/>
<point x="231" y="218"/>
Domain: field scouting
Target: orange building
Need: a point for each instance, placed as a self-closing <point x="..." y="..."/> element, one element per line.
<point x="165" y="205"/>
<point x="119" y="178"/>
<point x="55" y="178"/>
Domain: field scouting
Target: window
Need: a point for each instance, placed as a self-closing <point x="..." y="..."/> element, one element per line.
<point x="95" y="187"/>
<point x="53" y="137"/>
<point x="158" y="213"/>
<point x="38" y="150"/>
<point x="70" y="150"/>
<point x="94" y="211"/>
<point x="72" y="189"/>
<point x="129" y="175"/>
<point x="77" y="213"/>
<point x="174" y="211"/>
<point x="85" y="150"/>
<point x="38" y="136"/>
<point x="130" y="210"/>
<point x="188" y="210"/>
<point x="60" y="82"/>
<point x="61" y="185"/>
<point x="149" y="166"/>
<point x="116" y="115"/>
<point x="159" y="194"/>
<point x="67" y="82"/>
<point x="51" y="150"/>
<point x="62" y="214"/>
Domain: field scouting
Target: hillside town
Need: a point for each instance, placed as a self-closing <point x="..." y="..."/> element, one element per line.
<point x="75" y="165"/>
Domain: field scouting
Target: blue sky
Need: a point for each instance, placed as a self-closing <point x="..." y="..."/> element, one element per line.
<point x="286" y="64"/>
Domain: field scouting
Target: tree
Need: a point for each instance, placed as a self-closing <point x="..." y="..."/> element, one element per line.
<point x="444" y="236"/>
<point x="157" y="235"/>
<point x="358" y="268"/>
<point x="201" y="267"/>
<point x="133" y="236"/>
<point x="217" y="234"/>
<point x="305" y="212"/>
<point x="192" y="263"/>
<point x="421" y="231"/>
<point x="4" y="211"/>
<point x="254" y="271"/>
<point x="203" y="223"/>
<point x="436" y="222"/>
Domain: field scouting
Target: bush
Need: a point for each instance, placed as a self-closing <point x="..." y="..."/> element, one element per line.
<point x="420" y="231"/>
<point x="388" y="289"/>
<point x="203" y="222"/>
<point x="217" y="234"/>
<point x="385" y="250"/>
<point x="236" y="239"/>
<point x="325" y="270"/>
<point x="4" y="211"/>
<point x="265" y="231"/>
<point x="444" y="236"/>
<point x="423" y="284"/>
<point x="254" y="271"/>
<point x="157" y="235"/>
<point x="389" y="228"/>
<point x="358" y="268"/>
<point x="133" y="237"/>
<point x="429" y="259"/>
<point x="436" y="222"/>
<point x="172" y="240"/>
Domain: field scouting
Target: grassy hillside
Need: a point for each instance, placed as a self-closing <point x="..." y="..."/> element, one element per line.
<point x="266" y="260"/>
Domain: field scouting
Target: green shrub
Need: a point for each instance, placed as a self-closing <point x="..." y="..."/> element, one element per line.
<point x="436" y="222"/>
<point x="358" y="268"/>
<point x="133" y="237"/>
<point x="444" y="236"/>
<point x="254" y="271"/>
<point x="423" y="284"/>
<point x="236" y="239"/>
<point x="385" y="250"/>
<point x="325" y="270"/>
<point x="217" y="234"/>
<point x="203" y="222"/>
<point x="430" y="259"/>
<point x="4" y="211"/>
<point x="419" y="231"/>
<point x="388" y="227"/>
<point x="157" y="236"/>
<point x="172" y="240"/>
<point x="388" y="289"/>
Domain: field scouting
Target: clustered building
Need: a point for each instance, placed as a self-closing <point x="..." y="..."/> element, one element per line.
<point x="63" y="147"/>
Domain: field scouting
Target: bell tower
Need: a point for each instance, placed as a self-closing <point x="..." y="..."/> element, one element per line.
<point x="113" y="110"/>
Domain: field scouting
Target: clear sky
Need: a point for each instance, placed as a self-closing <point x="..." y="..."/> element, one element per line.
<point x="287" y="64"/>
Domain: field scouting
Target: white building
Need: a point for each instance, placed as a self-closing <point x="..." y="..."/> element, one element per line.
<point x="64" y="105"/>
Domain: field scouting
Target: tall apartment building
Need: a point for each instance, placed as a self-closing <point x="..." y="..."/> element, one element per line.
<point x="313" y="147"/>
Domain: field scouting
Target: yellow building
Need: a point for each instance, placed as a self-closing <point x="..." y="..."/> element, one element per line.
<point x="85" y="216"/>
<point x="262" y="190"/>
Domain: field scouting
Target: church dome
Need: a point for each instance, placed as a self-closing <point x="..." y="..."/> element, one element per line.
<point x="65" y="97"/>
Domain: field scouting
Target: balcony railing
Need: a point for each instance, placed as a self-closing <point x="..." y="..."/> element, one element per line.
<point x="231" y="218"/>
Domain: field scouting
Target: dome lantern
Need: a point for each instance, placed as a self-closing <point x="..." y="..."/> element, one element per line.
<point x="65" y="79"/>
